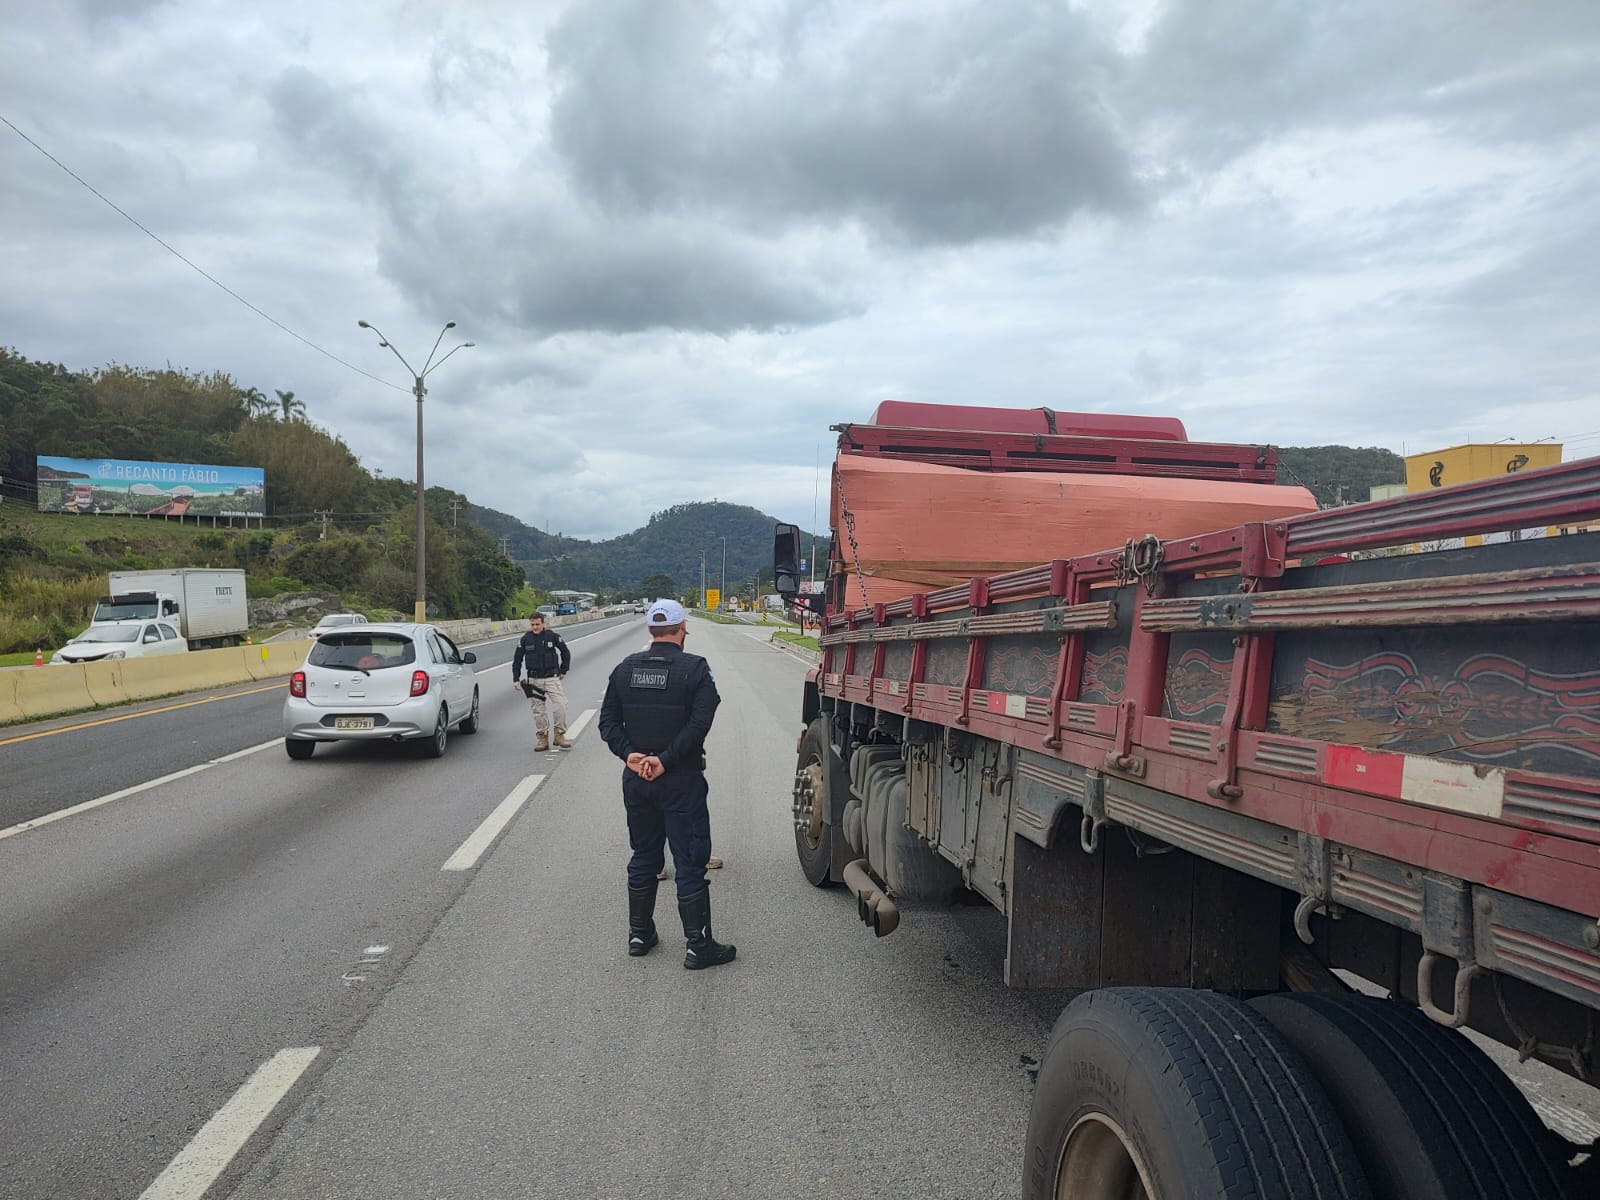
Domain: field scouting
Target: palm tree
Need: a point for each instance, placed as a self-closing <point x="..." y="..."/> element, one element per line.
<point x="255" y="403"/>
<point x="293" y="409"/>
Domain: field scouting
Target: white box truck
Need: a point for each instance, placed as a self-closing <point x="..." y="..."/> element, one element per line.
<point x="209" y="606"/>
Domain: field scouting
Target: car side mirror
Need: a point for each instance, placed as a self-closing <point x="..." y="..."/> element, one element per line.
<point x="469" y="657"/>
<point x="786" y="560"/>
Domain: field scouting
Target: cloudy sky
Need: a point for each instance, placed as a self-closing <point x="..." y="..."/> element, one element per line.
<point x="687" y="236"/>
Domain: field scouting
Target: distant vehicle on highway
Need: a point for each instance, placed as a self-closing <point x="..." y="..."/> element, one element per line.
<point x="335" y="621"/>
<point x="548" y="610"/>
<point x="639" y="606"/>
<point x="381" y="682"/>
<point x="567" y="609"/>
<point x="124" y="639"/>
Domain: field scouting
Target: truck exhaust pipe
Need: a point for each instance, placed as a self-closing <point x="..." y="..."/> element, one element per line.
<point x="873" y="904"/>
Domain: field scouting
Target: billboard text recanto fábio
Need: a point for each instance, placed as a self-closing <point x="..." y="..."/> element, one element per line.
<point x="113" y="485"/>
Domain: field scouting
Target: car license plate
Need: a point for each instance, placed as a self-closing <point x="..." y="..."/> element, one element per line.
<point x="342" y="723"/>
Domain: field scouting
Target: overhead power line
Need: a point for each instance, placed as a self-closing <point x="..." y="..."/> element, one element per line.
<point x="190" y="264"/>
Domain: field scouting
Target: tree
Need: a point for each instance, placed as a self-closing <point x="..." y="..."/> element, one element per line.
<point x="293" y="410"/>
<point x="657" y="586"/>
<point x="255" y="402"/>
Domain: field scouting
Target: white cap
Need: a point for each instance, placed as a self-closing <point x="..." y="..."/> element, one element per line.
<point x="666" y="612"/>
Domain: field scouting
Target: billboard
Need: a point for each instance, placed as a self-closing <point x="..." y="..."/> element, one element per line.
<point x="155" y="489"/>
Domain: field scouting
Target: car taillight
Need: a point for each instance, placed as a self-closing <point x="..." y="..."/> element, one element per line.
<point x="297" y="684"/>
<point x="419" y="683"/>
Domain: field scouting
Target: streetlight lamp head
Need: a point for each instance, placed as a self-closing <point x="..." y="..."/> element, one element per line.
<point x="363" y="325"/>
<point x="384" y="345"/>
<point x="449" y="324"/>
<point x="464" y="344"/>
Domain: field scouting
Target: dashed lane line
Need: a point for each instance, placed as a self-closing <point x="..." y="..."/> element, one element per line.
<point x="471" y="850"/>
<point x="195" y="1169"/>
<point x="50" y="818"/>
<point x="578" y="725"/>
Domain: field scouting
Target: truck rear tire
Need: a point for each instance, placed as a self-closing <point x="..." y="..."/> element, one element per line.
<point x="1432" y="1117"/>
<point x="1173" y="1094"/>
<point x="817" y="773"/>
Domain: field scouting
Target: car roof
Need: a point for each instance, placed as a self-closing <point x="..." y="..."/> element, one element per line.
<point x="406" y="628"/>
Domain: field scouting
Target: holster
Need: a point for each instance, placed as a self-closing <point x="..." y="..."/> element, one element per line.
<point x="532" y="690"/>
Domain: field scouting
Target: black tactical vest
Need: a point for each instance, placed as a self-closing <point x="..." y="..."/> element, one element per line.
<point x="656" y="695"/>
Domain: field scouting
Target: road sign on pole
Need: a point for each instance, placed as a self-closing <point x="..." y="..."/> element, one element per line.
<point x="713" y="598"/>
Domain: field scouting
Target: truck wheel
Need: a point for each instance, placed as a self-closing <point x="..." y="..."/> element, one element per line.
<point x="1431" y="1116"/>
<point x="1173" y="1094"/>
<point x="469" y="723"/>
<point x="815" y="775"/>
<point x="299" y="748"/>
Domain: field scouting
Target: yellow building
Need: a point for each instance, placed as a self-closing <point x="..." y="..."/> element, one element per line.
<point x="1464" y="464"/>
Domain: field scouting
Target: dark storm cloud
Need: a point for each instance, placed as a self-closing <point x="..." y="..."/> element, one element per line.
<point x="928" y="124"/>
<point x="530" y="257"/>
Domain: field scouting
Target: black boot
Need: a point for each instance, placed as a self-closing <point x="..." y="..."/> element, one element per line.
<point x="641" y="919"/>
<point x="703" y="951"/>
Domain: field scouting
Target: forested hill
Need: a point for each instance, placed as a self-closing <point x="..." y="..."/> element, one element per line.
<point x="671" y="544"/>
<point x="1340" y="474"/>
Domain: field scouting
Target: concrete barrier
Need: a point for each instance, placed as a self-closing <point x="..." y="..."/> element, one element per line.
<point x="8" y="696"/>
<point x="104" y="680"/>
<point x="166" y="674"/>
<point x="45" y="691"/>
<point x="274" y="660"/>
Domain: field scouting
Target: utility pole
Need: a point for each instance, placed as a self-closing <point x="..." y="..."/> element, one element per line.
<point x="702" y="578"/>
<point x="505" y="545"/>
<point x="324" y="513"/>
<point x="455" y="505"/>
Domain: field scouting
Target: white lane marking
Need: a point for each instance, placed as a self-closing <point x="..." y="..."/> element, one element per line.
<point x="49" y="818"/>
<point x="227" y="758"/>
<point x="1570" y="1122"/>
<point x="466" y="857"/>
<point x="198" y="1164"/>
<point x="577" y="726"/>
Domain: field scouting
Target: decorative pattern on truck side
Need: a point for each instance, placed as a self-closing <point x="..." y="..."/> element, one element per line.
<point x="947" y="662"/>
<point x="897" y="661"/>
<point x="1021" y="665"/>
<point x="1104" y="676"/>
<point x="1447" y="701"/>
<point x="1199" y="671"/>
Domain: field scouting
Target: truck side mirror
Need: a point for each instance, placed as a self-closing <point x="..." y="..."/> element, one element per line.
<point x="786" y="560"/>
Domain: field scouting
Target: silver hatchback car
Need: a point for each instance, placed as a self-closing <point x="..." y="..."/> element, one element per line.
<point x="381" y="683"/>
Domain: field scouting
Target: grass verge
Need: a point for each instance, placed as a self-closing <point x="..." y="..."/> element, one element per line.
<point x="804" y="640"/>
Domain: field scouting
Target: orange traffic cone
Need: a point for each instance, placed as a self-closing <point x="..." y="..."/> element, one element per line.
<point x="38" y="657"/>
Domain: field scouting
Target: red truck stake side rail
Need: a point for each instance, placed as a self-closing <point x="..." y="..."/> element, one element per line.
<point x="1415" y="737"/>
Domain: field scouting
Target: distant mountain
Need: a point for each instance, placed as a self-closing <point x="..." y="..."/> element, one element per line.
<point x="670" y="544"/>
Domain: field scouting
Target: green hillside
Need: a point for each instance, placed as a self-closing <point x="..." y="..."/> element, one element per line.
<point x="1340" y="474"/>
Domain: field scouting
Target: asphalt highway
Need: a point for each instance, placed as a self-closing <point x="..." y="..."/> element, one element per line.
<point x="258" y="978"/>
<point x="375" y="975"/>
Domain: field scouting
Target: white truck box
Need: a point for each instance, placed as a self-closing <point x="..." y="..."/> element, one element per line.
<point x="213" y="608"/>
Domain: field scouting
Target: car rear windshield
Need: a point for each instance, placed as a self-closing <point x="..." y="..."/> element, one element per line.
<point x="363" y="651"/>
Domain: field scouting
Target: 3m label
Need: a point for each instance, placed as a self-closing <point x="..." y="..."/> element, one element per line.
<point x="650" y="677"/>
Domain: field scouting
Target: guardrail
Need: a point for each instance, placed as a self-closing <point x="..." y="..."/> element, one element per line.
<point x="37" y="692"/>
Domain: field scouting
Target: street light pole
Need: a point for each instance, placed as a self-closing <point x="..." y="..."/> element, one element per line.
<point x="723" y="586"/>
<point x="702" y="577"/>
<point x="419" y="390"/>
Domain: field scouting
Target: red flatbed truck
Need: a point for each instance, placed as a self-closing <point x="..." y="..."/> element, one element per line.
<point x="1208" y="779"/>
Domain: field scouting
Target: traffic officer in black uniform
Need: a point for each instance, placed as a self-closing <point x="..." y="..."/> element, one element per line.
<point x="657" y="712"/>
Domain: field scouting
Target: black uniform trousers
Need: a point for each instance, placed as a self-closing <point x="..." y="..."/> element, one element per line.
<point x="671" y="809"/>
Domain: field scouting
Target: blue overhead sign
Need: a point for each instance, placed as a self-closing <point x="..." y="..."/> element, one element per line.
<point x="114" y="485"/>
